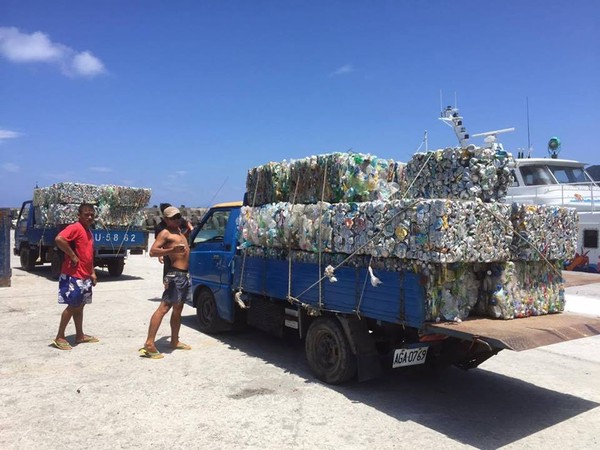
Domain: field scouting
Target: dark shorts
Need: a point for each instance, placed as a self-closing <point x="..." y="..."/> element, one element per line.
<point x="74" y="291"/>
<point x="178" y="287"/>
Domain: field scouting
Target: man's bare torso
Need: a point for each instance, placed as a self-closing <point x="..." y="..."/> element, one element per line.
<point x="179" y="260"/>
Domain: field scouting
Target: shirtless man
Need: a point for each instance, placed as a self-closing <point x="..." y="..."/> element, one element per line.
<point x="170" y="242"/>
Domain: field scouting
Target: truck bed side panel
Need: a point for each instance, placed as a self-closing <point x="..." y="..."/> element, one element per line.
<point x="399" y="299"/>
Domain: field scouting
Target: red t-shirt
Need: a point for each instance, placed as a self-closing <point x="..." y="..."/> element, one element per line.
<point x="82" y="241"/>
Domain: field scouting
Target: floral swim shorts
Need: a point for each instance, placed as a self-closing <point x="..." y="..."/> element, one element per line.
<point x="74" y="291"/>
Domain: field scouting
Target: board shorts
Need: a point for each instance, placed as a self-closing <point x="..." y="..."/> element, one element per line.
<point x="178" y="287"/>
<point x="74" y="291"/>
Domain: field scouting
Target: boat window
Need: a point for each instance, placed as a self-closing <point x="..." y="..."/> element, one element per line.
<point x="536" y="175"/>
<point x="590" y="238"/>
<point x="569" y="174"/>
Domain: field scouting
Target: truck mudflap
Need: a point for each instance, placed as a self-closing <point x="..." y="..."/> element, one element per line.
<point x="519" y="334"/>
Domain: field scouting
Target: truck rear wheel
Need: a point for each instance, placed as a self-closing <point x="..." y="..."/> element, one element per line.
<point x="115" y="266"/>
<point x="55" y="265"/>
<point x="208" y="316"/>
<point x="328" y="352"/>
<point x="28" y="258"/>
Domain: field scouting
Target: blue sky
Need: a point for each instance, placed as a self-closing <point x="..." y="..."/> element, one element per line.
<point x="185" y="96"/>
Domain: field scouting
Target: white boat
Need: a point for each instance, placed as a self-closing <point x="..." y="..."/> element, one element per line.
<point x="548" y="181"/>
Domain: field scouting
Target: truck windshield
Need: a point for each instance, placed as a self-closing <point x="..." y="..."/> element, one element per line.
<point x="213" y="229"/>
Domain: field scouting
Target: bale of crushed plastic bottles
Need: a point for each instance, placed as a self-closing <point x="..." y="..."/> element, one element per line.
<point x="543" y="232"/>
<point x="120" y="206"/>
<point x="515" y="289"/>
<point x="334" y="177"/>
<point x="467" y="173"/>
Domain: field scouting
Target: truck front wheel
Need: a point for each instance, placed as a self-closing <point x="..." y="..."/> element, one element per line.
<point x="206" y="310"/>
<point x="328" y="352"/>
<point x="115" y="267"/>
<point x="28" y="258"/>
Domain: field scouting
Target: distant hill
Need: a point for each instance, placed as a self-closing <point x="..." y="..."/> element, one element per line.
<point x="594" y="172"/>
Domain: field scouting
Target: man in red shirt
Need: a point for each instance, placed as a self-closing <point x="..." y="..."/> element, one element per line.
<point x="77" y="275"/>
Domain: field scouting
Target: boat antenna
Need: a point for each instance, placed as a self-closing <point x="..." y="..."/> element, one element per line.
<point x="528" y="135"/>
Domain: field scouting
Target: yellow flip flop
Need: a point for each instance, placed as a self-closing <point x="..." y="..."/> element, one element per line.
<point x="61" y="345"/>
<point x="88" y="340"/>
<point x="150" y="355"/>
<point x="182" y="346"/>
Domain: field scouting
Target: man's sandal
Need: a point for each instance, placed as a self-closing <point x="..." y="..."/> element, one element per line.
<point x="150" y="355"/>
<point x="61" y="345"/>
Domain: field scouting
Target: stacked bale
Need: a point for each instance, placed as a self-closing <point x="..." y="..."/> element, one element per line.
<point x="116" y="206"/>
<point x="469" y="248"/>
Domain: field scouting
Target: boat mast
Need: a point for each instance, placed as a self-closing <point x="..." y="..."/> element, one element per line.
<point x="528" y="136"/>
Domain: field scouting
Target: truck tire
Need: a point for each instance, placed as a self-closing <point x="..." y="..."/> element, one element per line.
<point x="328" y="352"/>
<point x="28" y="257"/>
<point x="209" y="321"/>
<point x="115" y="267"/>
<point x="55" y="265"/>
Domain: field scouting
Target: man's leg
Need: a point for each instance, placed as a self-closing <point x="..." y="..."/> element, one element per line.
<point x="176" y="323"/>
<point x="78" y="321"/>
<point x="65" y="317"/>
<point x="155" y="322"/>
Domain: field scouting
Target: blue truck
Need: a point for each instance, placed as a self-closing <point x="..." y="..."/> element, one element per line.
<point x="350" y="328"/>
<point x="34" y="243"/>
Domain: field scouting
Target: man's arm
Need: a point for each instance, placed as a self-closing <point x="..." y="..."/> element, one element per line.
<point x="64" y="245"/>
<point x="159" y="249"/>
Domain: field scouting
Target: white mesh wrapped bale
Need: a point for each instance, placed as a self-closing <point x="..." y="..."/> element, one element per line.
<point x="333" y="178"/>
<point x="460" y="173"/>
<point x="544" y="232"/>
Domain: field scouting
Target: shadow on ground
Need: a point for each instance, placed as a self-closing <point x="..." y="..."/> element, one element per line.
<point x="103" y="275"/>
<point x="479" y="408"/>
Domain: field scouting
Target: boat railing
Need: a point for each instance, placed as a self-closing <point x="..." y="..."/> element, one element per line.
<point x="582" y="196"/>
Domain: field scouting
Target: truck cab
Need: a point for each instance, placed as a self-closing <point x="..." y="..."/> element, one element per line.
<point x="212" y="249"/>
<point x="34" y="243"/>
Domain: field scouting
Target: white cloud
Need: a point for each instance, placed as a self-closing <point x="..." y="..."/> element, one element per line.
<point x="100" y="169"/>
<point x="181" y="172"/>
<point x="10" y="167"/>
<point x="346" y="68"/>
<point x="86" y="64"/>
<point x="37" y="47"/>
<point x="7" y="134"/>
